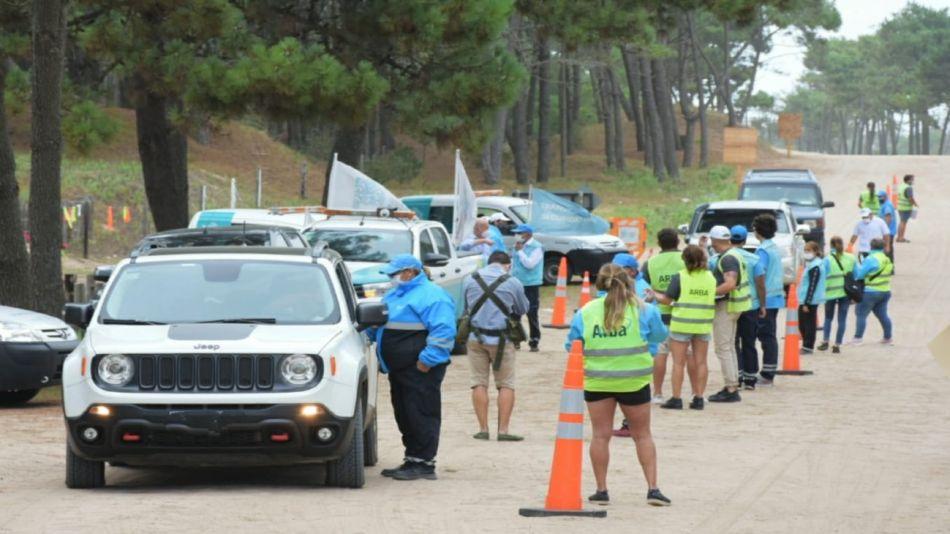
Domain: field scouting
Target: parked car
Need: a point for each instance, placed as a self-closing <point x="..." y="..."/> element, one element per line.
<point x="223" y="355"/>
<point x="248" y="235"/>
<point x="32" y="349"/>
<point x="796" y="187"/>
<point x="729" y="213"/>
<point x="584" y="252"/>
<point x="297" y="218"/>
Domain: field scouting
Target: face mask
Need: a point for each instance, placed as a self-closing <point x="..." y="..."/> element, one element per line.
<point x="809" y="256"/>
<point x="397" y="280"/>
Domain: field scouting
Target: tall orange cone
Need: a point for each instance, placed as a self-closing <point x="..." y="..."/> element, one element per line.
<point x="564" y="486"/>
<point x="585" y="291"/>
<point x="559" y="315"/>
<point x="893" y="192"/>
<point x="791" y="364"/>
<point x="110" y="219"/>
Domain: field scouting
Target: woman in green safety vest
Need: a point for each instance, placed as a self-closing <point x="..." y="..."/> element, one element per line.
<point x="838" y="265"/>
<point x="692" y="295"/>
<point x="615" y="330"/>
<point x="876" y="271"/>
<point x="906" y="204"/>
<point x="868" y="199"/>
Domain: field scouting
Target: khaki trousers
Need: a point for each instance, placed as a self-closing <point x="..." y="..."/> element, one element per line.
<point x="724" y="340"/>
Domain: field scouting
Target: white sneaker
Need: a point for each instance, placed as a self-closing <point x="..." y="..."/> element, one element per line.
<point x="887" y="341"/>
<point x="657" y="399"/>
<point x="856" y="341"/>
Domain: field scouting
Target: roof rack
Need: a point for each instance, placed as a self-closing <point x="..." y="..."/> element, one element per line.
<point x="322" y="210"/>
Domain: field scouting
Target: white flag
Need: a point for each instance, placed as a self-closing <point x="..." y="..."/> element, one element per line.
<point x="352" y="190"/>
<point x="465" y="208"/>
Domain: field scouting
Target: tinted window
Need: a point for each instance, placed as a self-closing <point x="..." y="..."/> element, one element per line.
<point x="442" y="241"/>
<point x="730" y="218"/>
<point x="443" y="214"/>
<point x="294" y="239"/>
<point x="425" y="244"/>
<point x="522" y="212"/>
<point x="214" y="290"/>
<point x="364" y="245"/>
<point x="251" y="238"/>
<point x="794" y="194"/>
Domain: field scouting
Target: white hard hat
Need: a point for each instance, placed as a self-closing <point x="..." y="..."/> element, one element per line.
<point x="498" y="216"/>
<point x="720" y="232"/>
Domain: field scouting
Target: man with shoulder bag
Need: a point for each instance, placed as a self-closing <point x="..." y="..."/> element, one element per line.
<point x="493" y="300"/>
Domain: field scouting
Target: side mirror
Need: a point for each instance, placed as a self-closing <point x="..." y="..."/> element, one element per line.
<point x="370" y="314"/>
<point x="435" y="260"/>
<point x="683" y="229"/>
<point x="103" y="273"/>
<point x="802" y="229"/>
<point x="78" y="314"/>
<point x="827" y="204"/>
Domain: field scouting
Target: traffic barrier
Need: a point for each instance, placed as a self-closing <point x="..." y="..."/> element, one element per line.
<point x="791" y="358"/>
<point x="893" y="192"/>
<point x="110" y="219"/>
<point x="564" y="486"/>
<point x="559" y="314"/>
<point x="585" y="291"/>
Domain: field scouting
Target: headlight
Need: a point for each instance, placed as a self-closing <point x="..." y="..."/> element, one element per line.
<point x="116" y="369"/>
<point x="18" y="332"/>
<point x="298" y="369"/>
<point x="376" y="290"/>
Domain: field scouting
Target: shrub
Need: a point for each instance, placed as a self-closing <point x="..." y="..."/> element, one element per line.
<point x="86" y="126"/>
<point x="400" y="165"/>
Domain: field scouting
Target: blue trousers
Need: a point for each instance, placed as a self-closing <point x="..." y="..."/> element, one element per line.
<point x="765" y="331"/>
<point x="842" y="304"/>
<point x="873" y="302"/>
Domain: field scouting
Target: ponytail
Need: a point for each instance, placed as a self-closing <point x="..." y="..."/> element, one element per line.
<point x="618" y="285"/>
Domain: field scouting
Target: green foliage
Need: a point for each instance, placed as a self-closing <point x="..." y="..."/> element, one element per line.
<point x="400" y="165"/>
<point x="86" y="126"/>
<point x="17" y="94"/>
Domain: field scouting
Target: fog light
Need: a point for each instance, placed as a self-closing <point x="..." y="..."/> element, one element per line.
<point x="325" y="433"/>
<point x="100" y="410"/>
<point x="310" y="410"/>
<point x="90" y="434"/>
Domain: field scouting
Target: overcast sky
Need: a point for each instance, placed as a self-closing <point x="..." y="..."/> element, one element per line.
<point x="783" y="66"/>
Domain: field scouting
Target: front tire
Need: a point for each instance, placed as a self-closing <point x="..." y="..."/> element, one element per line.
<point x="347" y="472"/>
<point x="371" y="445"/>
<point x="551" y="265"/>
<point x="14" y="398"/>
<point x="82" y="473"/>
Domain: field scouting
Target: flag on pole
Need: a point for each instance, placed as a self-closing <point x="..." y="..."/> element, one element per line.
<point x="465" y="208"/>
<point x="350" y="189"/>
<point x="554" y="215"/>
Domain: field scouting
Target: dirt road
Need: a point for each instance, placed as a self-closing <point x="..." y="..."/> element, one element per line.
<point x="861" y="446"/>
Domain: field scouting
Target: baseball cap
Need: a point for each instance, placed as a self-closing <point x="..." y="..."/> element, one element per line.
<point x="401" y="262"/>
<point x="738" y="233"/>
<point x="882" y="194"/>
<point x="719" y="232"/>
<point x="865" y="213"/>
<point x="523" y="229"/>
<point x="626" y="260"/>
<point x="498" y="216"/>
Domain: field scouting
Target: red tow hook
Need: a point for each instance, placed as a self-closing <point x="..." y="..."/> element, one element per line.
<point x="280" y="437"/>
<point x="131" y="437"/>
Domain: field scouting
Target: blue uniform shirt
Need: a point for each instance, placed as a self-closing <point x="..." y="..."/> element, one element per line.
<point x="498" y="240"/>
<point x="867" y="267"/>
<point x="774" y="284"/>
<point x="887" y="208"/>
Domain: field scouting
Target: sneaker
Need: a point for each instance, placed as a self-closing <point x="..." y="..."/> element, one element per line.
<point x="835" y="349"/>
<point x="725" y="395"/>
<point x="622" y="432"/>
<point x="856" y="341"/>
<point x="657" y="399"/>
<point x="823" y="346"/>
<point x="415" y="471"/>
<point x="887" y="341"/>
<point x="534" y="348"/>
<point x="673" y="404"/>
<point x="655" y="498"/>
<point x="600" y="497"/>
<point x="748" y="384"/>
<point x="697" y="403"/>
<point x="766" y="382"/>
<point x="392" y="471"/>
<point x="806" y="350"/>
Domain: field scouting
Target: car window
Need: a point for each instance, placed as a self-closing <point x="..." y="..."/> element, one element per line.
<point x="442" y="241"/>
<point x="442" y="214"/>
<point x="425" y="243"/>
<point x="522" y="212"/>
<point x="348" y="292"/>
<point x="364" y="244"/>
<point x="250" y="238"/>
<point x="191" y="291"/>
<point x="294" y="239"/>
<point x="794" y="194"/>
<point x="732" y="217"/>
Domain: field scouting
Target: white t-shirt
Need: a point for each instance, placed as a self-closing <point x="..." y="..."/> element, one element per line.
<point x="876" y="228"/>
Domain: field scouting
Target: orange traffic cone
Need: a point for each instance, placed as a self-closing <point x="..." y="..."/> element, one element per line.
<point x="110" y="219"/>
<point x="564" y="486"/>
<point x="791" y="364"/>
<point x="559" y="315"/>
<point x="585" y="291"/>
<point x="893" y="193"/>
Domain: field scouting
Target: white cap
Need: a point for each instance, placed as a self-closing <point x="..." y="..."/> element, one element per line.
<point x="498" y="216"/>
<point x="719" y="232"/>
<point x="865" y="213"/>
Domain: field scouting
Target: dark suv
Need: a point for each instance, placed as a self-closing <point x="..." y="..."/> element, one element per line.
<point x="796" y="187"/>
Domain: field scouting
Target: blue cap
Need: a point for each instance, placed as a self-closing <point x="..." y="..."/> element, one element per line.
<point x="400" y="263"/>
<point x="738" y="233"/>
<point x="882" y="194"/>
<point x="626" y="260"/>
<point x="523" y="229"/>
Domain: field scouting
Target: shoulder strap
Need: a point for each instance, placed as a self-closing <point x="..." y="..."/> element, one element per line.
<point x="488" y="292"/>
<point x="835" y="256"/>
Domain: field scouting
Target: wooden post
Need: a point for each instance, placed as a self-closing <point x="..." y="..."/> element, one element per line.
<point x="789" y="129"/>
<point x="260" y="188"/>
<point x="86" y="226"/>
<point x="204" y="197"/>
<point x="303" y="180"/>
<point x="233" y="203"/>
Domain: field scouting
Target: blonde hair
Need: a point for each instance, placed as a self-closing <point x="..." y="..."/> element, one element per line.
<point x="619" y="287"/>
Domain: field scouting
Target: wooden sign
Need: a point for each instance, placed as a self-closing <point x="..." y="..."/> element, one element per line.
<point x="740" y="145"/>
<point x="789" y="129"/>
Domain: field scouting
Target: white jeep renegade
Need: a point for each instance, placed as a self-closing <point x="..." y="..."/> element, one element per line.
<point x="223" y="356"/>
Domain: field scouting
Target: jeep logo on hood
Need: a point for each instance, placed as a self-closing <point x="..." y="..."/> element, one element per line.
<point x="202" y="346"/>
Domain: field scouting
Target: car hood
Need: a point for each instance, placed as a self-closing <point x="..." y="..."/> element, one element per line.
<point x="29" y="318"/>
<point x="366" y="272"/>
<point x="210" y="338"/>
<point x="604" y="241"/>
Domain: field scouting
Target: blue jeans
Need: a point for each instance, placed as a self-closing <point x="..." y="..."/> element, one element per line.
<point x="842" y="303"/>
<point x="876" y="302"/>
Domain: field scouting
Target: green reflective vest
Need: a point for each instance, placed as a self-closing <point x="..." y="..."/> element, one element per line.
<point x="870" y="201"/>
<point x="880" y="280"/>
<point x="740" y="298"/>
<point x="834" y="283"/>
<point x="695" y="308"/>
<point x="616" y="361"/>
<point x="661" y="268"/>
<point x="903" y="203"/>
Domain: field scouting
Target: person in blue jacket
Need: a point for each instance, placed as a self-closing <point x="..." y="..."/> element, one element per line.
<point x="495" y="222"/>
<point x="876" y="271"/>
<point x="889" y="213"/>
<point x="413" y="347"/>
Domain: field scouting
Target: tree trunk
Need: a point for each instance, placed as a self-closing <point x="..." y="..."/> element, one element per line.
<point x="882" y="138"/>
<point x="518" y="141"/>
<point x="925" y="132"/>
<point x="46" y="153"/>
<point x="606" y="109"/>
<point x="577" y="93"/>
<point x="564" y="114"/>
<point x="844" y="133"/>
<point x="348" y="146"/>
<point x="943" y="133"/>
<point x="163" y="150"/>
<point x="617" y="99"/>
<point x="595" y="90"/>
<point x="14" y="261"/>
<point x="491" y="154"/>
<point x="632" y="71"/>
<point x="653" y="118"/>
<point x="544" y="111"/>
<point x="703" y="103"/>
<point x="532" y="98"/>
<point x="662" y="95"/>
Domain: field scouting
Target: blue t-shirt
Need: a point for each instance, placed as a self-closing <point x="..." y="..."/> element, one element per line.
<point x="887" y="208"/>
<point x="771" y="301"/>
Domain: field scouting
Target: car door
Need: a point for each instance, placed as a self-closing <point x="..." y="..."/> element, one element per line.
<point x="351" y="300"/>
<point x="454" y="275"/>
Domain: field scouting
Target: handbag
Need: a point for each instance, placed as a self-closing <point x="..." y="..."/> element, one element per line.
<point x="854" y="289"/>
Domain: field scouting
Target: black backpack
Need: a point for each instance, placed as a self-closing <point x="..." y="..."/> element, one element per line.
<point x="854" y="289"/>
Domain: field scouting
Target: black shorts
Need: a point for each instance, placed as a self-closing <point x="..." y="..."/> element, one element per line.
<point x="629" y="398"/>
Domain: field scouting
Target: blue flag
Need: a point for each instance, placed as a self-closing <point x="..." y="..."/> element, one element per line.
<point x="553" y="215"/>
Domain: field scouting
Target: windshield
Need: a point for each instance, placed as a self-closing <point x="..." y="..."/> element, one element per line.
<point x="221" y="290"/>
<point x="364" y="245"/>
<point x="523" y="211"/>
<point x="805" y="194"/>
<point x="255" y="238"/>
<point x="730" y="218"/>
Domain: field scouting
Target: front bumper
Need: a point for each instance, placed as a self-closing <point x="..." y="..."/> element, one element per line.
<point x="590" y="260"/>
<point x="32" y="365"/>
<point x="205" y="435"/>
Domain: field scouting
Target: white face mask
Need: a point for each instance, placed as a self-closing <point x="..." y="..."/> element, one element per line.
<point x="397" y="280"/>
<point x="809" y="256"/>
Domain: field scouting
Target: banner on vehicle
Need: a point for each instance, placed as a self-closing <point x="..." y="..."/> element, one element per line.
<point x="350" y="189"/>
<point x="465" y="209"/>
<point x="553" y="215"/>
